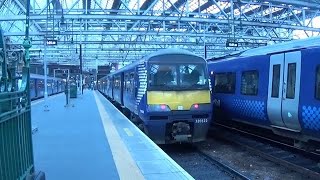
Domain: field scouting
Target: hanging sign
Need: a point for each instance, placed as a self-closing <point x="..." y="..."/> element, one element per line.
<point x="52" y="42"/>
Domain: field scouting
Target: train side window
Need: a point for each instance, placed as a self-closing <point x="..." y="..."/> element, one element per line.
<point x="249" y="82"/>
<point x="131" y="82"/>
<point x="225" y="83"/>
<point x="126" y="83"/>
<point x="318" y="83"/>
<point x="117" y="82"/>
<point x="291" y="81"/>
<point x="275" y="81"/>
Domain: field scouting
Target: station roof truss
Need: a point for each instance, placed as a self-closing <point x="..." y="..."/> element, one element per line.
<point x="126" y="30"/>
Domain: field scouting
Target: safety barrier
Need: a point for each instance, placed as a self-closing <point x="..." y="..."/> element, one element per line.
<point x="16" y="152"/>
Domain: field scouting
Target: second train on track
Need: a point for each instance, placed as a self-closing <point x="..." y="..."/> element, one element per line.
<point x="275" y="87"/>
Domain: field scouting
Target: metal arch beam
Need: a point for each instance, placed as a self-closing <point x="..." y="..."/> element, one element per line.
<point x="278" y="13"/>
<point x="288" y="10"/>
<point x="263" y="6"/>
<point x="296" y="3"/>
<point x="204" y="6"/>
<point x="228" y="9"/>
<point x="144" y="13"/>
<point x="150" y="33"/>
<point x="23" y="8"/>
<point x="167" y="18"/>
<point x="147" y="4"/>
<point x="2" y="3"/>
<point x="72" y="6"/>
<point x="295" y="16"/>
<point x="221" y="10"/>
<point x="100" y="6"/>
<point x="88" y="4"/>
<point x="84" y="4"/>
<point x="35" y="52"/>
<point x="116" y="4"/>
<point x="177" y="5"/>
<point x="126" y="6"/>
<point x="128" y="42"/>
<point x="120" y="53"/>
<point x="57" y="5"/>
<point x="45" y="7"/>
<point x="266" y="25"/>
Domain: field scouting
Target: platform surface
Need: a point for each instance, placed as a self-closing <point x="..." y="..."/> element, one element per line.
<point x="91" y="139"/>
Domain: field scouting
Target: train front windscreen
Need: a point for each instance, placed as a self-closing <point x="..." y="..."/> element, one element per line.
<point x="173" y="77"/>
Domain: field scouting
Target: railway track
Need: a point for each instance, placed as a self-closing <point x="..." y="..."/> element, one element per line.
<point x="200" y="164"/>
<point x="283" y="154"/>
<point x="222" y="166"/>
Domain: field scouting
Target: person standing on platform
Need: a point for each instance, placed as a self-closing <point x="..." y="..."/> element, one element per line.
<point x="66" y="91"/>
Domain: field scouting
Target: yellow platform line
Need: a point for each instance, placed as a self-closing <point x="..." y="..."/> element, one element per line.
<point x="129" y="133"/>
<point x="126" y="166"/>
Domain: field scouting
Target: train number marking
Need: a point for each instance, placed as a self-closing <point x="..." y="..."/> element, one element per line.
<point x="201" y="120"/>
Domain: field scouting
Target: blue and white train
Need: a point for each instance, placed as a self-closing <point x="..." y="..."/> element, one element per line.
<point x="166" y="94"/>
<point x="275" y="87"/>
<point x="54" y="86"/>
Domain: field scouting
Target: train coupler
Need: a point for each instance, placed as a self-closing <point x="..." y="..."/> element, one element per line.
<point x="181" y="131"/>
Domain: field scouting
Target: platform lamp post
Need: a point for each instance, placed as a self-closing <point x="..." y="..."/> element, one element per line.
<point x="26" y="73"/>
<point x="80" y="55"/>
<point x="96" y="75"/>
<point x="81" y="72"/>
<point x="46" y="107"/>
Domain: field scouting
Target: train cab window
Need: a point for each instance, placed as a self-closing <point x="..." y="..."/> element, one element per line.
<point x="291" y="81"/>
<point x="192" y="75"/>
<point x="163" y="75"/>
<point x="249" y="82"/>
<point x="275" y="81"/>
<point x="224" y="82"/>
<point x="318" y="83"/>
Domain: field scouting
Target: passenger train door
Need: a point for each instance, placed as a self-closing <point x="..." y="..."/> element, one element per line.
<point x="284" y="90"/>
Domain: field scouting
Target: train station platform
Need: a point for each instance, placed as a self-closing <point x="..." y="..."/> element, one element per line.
<point x="91" y="139"/>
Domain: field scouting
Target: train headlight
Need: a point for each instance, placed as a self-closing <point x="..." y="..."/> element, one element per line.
<point x="201" y="107"/>
<point x="158" y="107"/>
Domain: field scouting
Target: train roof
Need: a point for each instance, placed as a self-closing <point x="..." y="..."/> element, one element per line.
<point x="127" y="67"/>
<point x="226" y="56"/>
<point x="226" y="59"/>
<point x="154" y="54"/>
<point x="283" y="47"/>
<point x="38" y="76"/>
<point x="170" y="51"/>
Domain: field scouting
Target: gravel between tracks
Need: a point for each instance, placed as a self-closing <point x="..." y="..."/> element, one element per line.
<point x="196" y="165"/>
<point x="249" y="164"/>
<point x="252" y="166"/>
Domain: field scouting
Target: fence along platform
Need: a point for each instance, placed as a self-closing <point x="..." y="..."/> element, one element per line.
<point x="16" y="153"/>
